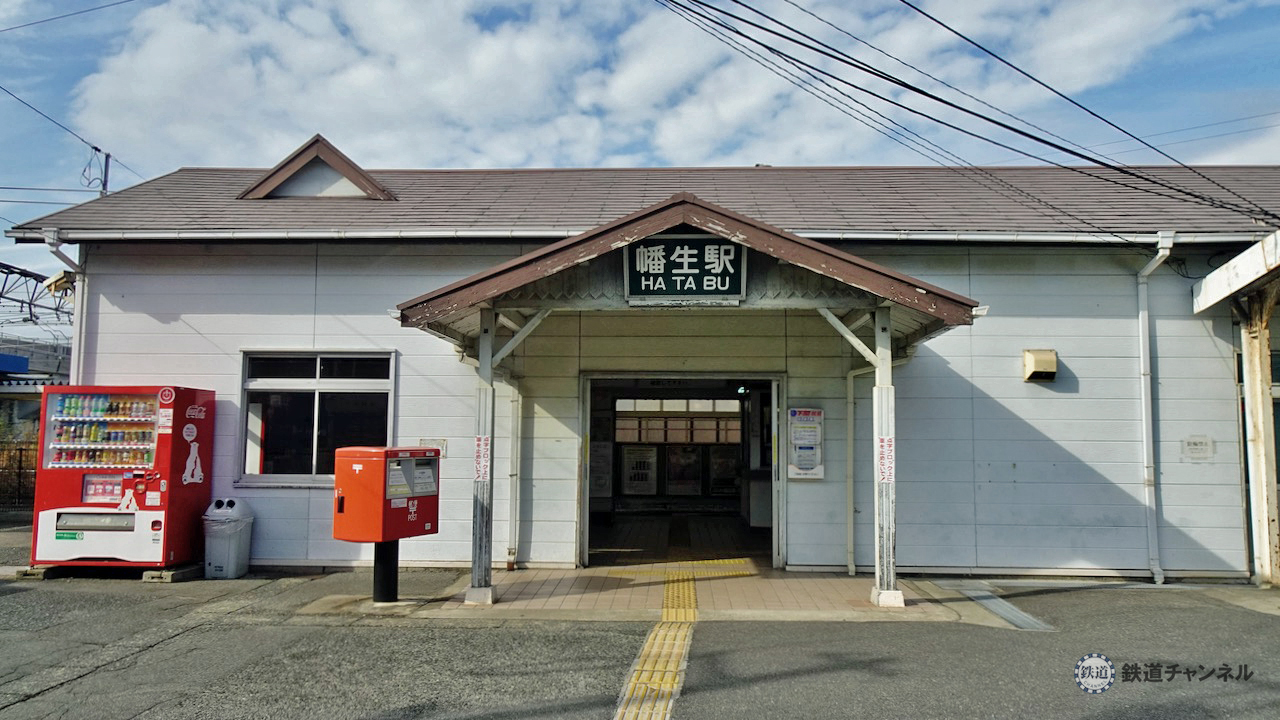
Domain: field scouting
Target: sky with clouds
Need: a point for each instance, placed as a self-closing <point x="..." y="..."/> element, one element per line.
<point x="163" y="84"/>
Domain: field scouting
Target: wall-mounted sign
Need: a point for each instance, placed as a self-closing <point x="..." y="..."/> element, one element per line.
<point x="804" y="461"/>
<point x="639" y="469"/>
<point x="707" y="271"/>
<point x="1197" y="447"/>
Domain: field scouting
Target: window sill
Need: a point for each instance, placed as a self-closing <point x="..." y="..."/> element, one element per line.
<point x="283" y="481"/>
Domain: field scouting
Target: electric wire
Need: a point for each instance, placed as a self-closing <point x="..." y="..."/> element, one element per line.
<point x="1199" y="127"/>
<point x="44" y="189"/>
<point x="838" y="56"/>
<point x="925" y="73"/>
<point x="890" y="101"/>
<point x="828" y="51"/>
<point x="1176" y="142"/>
<point x="41" y="113"/>
<point x="929" y="153"/>
<point x="1024" y="121"/>
<point x="18" y="201"/>
<point x="1199" y="139"/>
<point x="1093" y="114"/>
<point x="97" y="149"/>
<point x="898" y="132"/>
<point x="87" y="177"/>
<point x="60" y="17"/>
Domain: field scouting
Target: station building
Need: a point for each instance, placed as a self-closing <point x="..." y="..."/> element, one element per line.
<point x="1009" y="362"/>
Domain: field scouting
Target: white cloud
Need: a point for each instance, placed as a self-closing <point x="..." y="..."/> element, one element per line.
<point x="572" y="82"/>
<point x="1260" y="149"/>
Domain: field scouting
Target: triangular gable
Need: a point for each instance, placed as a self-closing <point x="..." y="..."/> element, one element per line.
<point x="687" y="209"/>
<point x="317" y="149"/>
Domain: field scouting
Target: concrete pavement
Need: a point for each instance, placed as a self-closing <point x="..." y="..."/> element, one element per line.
<point x="315" y="646"/>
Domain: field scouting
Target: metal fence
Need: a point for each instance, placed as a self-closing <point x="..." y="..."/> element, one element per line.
<point x="18" y="475"/>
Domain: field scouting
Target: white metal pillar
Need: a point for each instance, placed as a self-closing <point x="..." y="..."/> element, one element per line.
<point x="886" y="592"/>
<point x="1255" y="349"/>
<point x="481" y="590"/>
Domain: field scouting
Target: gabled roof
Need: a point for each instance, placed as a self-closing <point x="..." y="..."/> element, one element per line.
<point x="317" y="148"/>
<point x="877" y="203"/>
<point x="449" y="311"/>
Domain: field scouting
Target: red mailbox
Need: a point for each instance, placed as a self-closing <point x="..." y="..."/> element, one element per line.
<point x="384" y="494"/>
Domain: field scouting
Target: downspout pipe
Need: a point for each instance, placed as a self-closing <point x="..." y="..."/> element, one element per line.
<point x="850" y="415"/>
<point x="513" y="522"/>
<point x="1163" y="248"/>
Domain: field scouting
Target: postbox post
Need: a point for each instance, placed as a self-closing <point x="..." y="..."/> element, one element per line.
<point x="386" y="571"/>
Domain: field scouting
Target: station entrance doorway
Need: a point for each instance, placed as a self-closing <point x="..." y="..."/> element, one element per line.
<point x="680" y="469"/>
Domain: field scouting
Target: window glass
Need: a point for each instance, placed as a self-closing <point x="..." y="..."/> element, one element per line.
<point x="648" y="405"/>
<point x="727" y="406"/>
<point x="349" y="419"/>
<point x="655" y="430"/>
<point x="675" y="405"/>
<point x="378" y="368"/>
<point x="677" y="430"/>
<point x="627" y="430"/>
<point x="280" y="432"/>
<point x="319" y="405"/>
<point x="282" y="367"/>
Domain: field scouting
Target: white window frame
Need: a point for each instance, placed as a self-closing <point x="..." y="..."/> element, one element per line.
<point x="316" y="385"/>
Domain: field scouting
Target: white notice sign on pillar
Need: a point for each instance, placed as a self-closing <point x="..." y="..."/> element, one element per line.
<point x="884" y="460"/>
<point x="483" y="445"/>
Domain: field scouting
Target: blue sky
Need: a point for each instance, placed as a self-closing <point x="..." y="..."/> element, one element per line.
<point x="163" y="84"/>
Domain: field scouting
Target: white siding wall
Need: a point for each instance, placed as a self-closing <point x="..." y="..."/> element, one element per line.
<point x="183" y="316"/>
<point x="992" y="472"/>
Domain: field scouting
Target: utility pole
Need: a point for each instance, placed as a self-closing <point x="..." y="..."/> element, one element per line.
<point x="106" y="175"/>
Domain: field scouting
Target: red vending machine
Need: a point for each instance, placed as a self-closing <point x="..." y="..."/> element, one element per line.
<point x="123" y="476"/>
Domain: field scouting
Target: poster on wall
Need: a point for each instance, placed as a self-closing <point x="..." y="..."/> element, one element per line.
<point x="684" y="470"/>
<point x="601" y="469"/>
<point x="639" y="470"/>
<point x="804" y="456"/>
<point x="725" y="464"/>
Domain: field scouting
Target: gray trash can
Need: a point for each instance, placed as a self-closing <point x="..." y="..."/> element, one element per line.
<point x="227" y="527"/>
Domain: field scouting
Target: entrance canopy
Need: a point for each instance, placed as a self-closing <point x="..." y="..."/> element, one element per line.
<point x="757" y="266"/>
<point x="684" y="252"/>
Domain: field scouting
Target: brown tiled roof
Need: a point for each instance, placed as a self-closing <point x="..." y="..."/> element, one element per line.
<point x="800" y="200"/>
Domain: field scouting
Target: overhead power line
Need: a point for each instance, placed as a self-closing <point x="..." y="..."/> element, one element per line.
<point x="1203" y="137"/>
<point x="1093" y="114"/>
<point x="42" y="114"/>
<point x="925" y="73"/>
<point x="60" y="17"/>
<point x="1201" y="127"/>
<point x="1179" y="130"/>
<point x="890" y="128"/>
<point x="44" y="189"/>
<point x="33" y="202"/>
<point x="818" y="47"/>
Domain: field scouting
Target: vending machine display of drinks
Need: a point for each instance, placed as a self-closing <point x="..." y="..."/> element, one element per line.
<point x="123" y="476"/>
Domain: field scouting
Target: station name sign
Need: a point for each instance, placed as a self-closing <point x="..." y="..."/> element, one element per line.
<point x="710" y="271"/>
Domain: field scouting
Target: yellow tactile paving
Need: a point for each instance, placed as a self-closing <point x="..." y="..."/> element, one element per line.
<point x="658" y="673"/>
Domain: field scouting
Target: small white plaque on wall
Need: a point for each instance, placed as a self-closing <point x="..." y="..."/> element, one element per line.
<point x="1197" y="447"/>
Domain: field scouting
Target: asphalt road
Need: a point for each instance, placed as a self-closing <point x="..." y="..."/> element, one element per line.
<point x="112" y="648"/>
<point x="951" y="670"/>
